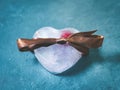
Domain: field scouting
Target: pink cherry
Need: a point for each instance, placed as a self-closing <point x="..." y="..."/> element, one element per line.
<point x="66" y="34"/>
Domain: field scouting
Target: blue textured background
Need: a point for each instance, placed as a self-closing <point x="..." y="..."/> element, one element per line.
<point x="21" y="18"/>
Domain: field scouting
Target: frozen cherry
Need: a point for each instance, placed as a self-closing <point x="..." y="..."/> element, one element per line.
<point x="65" y="34"/>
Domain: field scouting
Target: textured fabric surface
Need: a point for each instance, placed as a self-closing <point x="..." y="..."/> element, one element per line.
<point x="100" y="70"/>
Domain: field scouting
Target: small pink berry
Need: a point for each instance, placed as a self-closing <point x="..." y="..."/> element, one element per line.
<point x="65" y="34"/>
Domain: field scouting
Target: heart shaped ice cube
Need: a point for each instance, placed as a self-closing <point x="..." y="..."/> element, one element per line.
<point x="56" y="58"/>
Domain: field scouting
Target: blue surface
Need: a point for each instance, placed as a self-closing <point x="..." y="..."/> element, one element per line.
<point x="21" y="18"/>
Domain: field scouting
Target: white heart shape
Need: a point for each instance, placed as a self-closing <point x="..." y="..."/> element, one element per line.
<point x="56" y="58"/>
